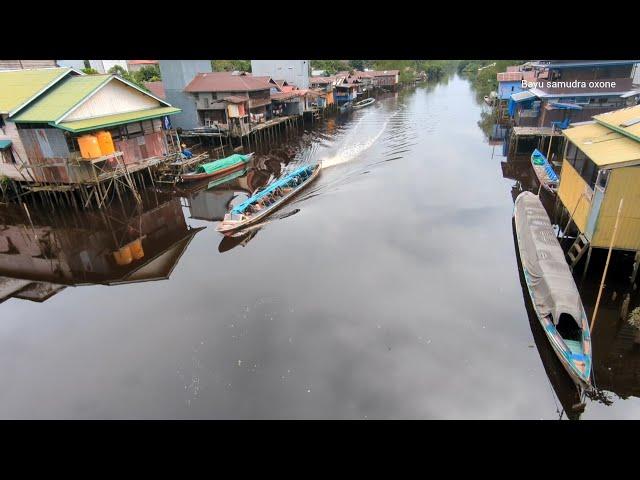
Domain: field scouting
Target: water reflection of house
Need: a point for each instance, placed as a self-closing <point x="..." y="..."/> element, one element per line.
<point x="40" y="258"/>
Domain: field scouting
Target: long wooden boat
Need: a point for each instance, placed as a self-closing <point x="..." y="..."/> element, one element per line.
<point x="218" y="168"/>
<point x="364" y="103"/>
<point x="544" y="171"/>
<point x="269" y="199"/>
<point x="552" y="289"/>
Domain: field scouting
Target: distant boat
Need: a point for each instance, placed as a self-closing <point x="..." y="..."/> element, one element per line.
<point x="364" y="103"/>
<point x="552" y="289"/>
<point x="544" y="171"/>
<point x="269" y="199"/>
<point x="218" y="168"/>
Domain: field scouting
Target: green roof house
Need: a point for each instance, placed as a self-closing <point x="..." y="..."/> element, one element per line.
<point x="47" y="110"/>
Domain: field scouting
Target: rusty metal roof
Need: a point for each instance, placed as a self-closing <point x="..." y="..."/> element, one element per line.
<point x="157" y="88"/>
<point x="227" y="82"/>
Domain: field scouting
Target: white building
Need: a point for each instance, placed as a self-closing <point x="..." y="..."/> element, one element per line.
<point x="295" y="72"/>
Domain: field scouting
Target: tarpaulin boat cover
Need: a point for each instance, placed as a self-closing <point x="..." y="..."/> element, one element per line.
<point x="550" y="279"/>
<point x="302" y="172"/>
<point x="212" y="167"/>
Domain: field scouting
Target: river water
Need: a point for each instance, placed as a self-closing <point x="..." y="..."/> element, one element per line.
<point x="389" y="290"/>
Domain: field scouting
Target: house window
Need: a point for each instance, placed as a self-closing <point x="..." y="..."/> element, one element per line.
<point x="206" y="102"/>
<point x="6" y="156"/>
<point x="581" y="159"/>
<point x="589" y="172"/>
<point x="571" y="153"/>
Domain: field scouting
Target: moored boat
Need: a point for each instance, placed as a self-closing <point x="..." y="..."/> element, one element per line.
<point x="364" y="103"/>
<point x="554" y="295"/>
<point x="269" y="199"/>
<point x="218" y="168"/>
<point x="544" y="172"/>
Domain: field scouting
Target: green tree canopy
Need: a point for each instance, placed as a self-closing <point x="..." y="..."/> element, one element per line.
<point x="231" y="65"/>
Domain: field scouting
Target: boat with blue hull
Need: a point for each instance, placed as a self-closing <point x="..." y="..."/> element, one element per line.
<point x="269" y="199"/>
<point x="554" y="295"/>
<point x="547" y="177"/>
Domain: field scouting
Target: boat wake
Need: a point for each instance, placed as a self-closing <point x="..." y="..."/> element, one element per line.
<point x="353" y="150"/>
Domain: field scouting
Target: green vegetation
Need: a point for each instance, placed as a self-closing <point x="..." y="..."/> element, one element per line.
<point x="145" y="74"/>
<point x="90" y="71"/>
<point x="332" y="66"/>
<point x="484" y="81"/>
<point x="409" y="69"/>
<point x="231" y="65"/>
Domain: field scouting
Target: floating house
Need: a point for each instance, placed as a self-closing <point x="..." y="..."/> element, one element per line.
<point x="231" y="101"/>
<point x="387" y="79"/>
<point x="602" y="166"/>
<point x="325" y="85"/>
<point x="345" y="92"/>
<point x="510" y="83"/>
<point x="70" y="131"/>
<point x="561" y="92"/>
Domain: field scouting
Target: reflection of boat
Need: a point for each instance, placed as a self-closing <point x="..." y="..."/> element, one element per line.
<point x="246" y="214"/>
<point x="232" y="241"/>
<point x="218" y="168"/>
<point x="561" y="383"/>
<point x="345" y="107"/>
<point x="364" y="103"/>
<point x="553" y="291"/>
<point x="544" y="171"/>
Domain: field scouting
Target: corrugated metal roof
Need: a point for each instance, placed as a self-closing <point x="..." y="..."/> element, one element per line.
<point x="625" y="121"/>
<point x="522" y="96"/>
<point x="226" y="82"/>
<point x="157" y="88"/>
<point x="117" y="119"/>
<point x="61" y="99"/>
<point x="19" y="87"/>
<point x="509" y="76"/>
<point x="604" y="146"/>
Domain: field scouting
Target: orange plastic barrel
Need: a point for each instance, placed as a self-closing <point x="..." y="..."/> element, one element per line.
<point x="89" y="146"/>
<point x="136" y="249"/>
<point x="106" y="143"/>
<point x="123" y="256"/>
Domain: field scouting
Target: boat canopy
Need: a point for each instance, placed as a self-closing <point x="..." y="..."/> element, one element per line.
<point x="552" y="286"/>
<point x="212" y="167"/>
<point x="303" y="172"/>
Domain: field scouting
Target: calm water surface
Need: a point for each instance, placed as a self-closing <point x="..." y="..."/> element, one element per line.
<point x="390" y="289"/>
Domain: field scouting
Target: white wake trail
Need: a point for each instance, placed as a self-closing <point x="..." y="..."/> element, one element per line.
<point x="352" y="151"/>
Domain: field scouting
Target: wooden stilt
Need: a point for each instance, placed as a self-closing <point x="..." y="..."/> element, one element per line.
<point x="606" y="265"/>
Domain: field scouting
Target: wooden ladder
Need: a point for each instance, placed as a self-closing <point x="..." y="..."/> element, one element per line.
<point x="577" y="250"/>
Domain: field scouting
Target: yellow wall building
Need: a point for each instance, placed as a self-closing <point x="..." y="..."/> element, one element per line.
<point x="601" y="166"/>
